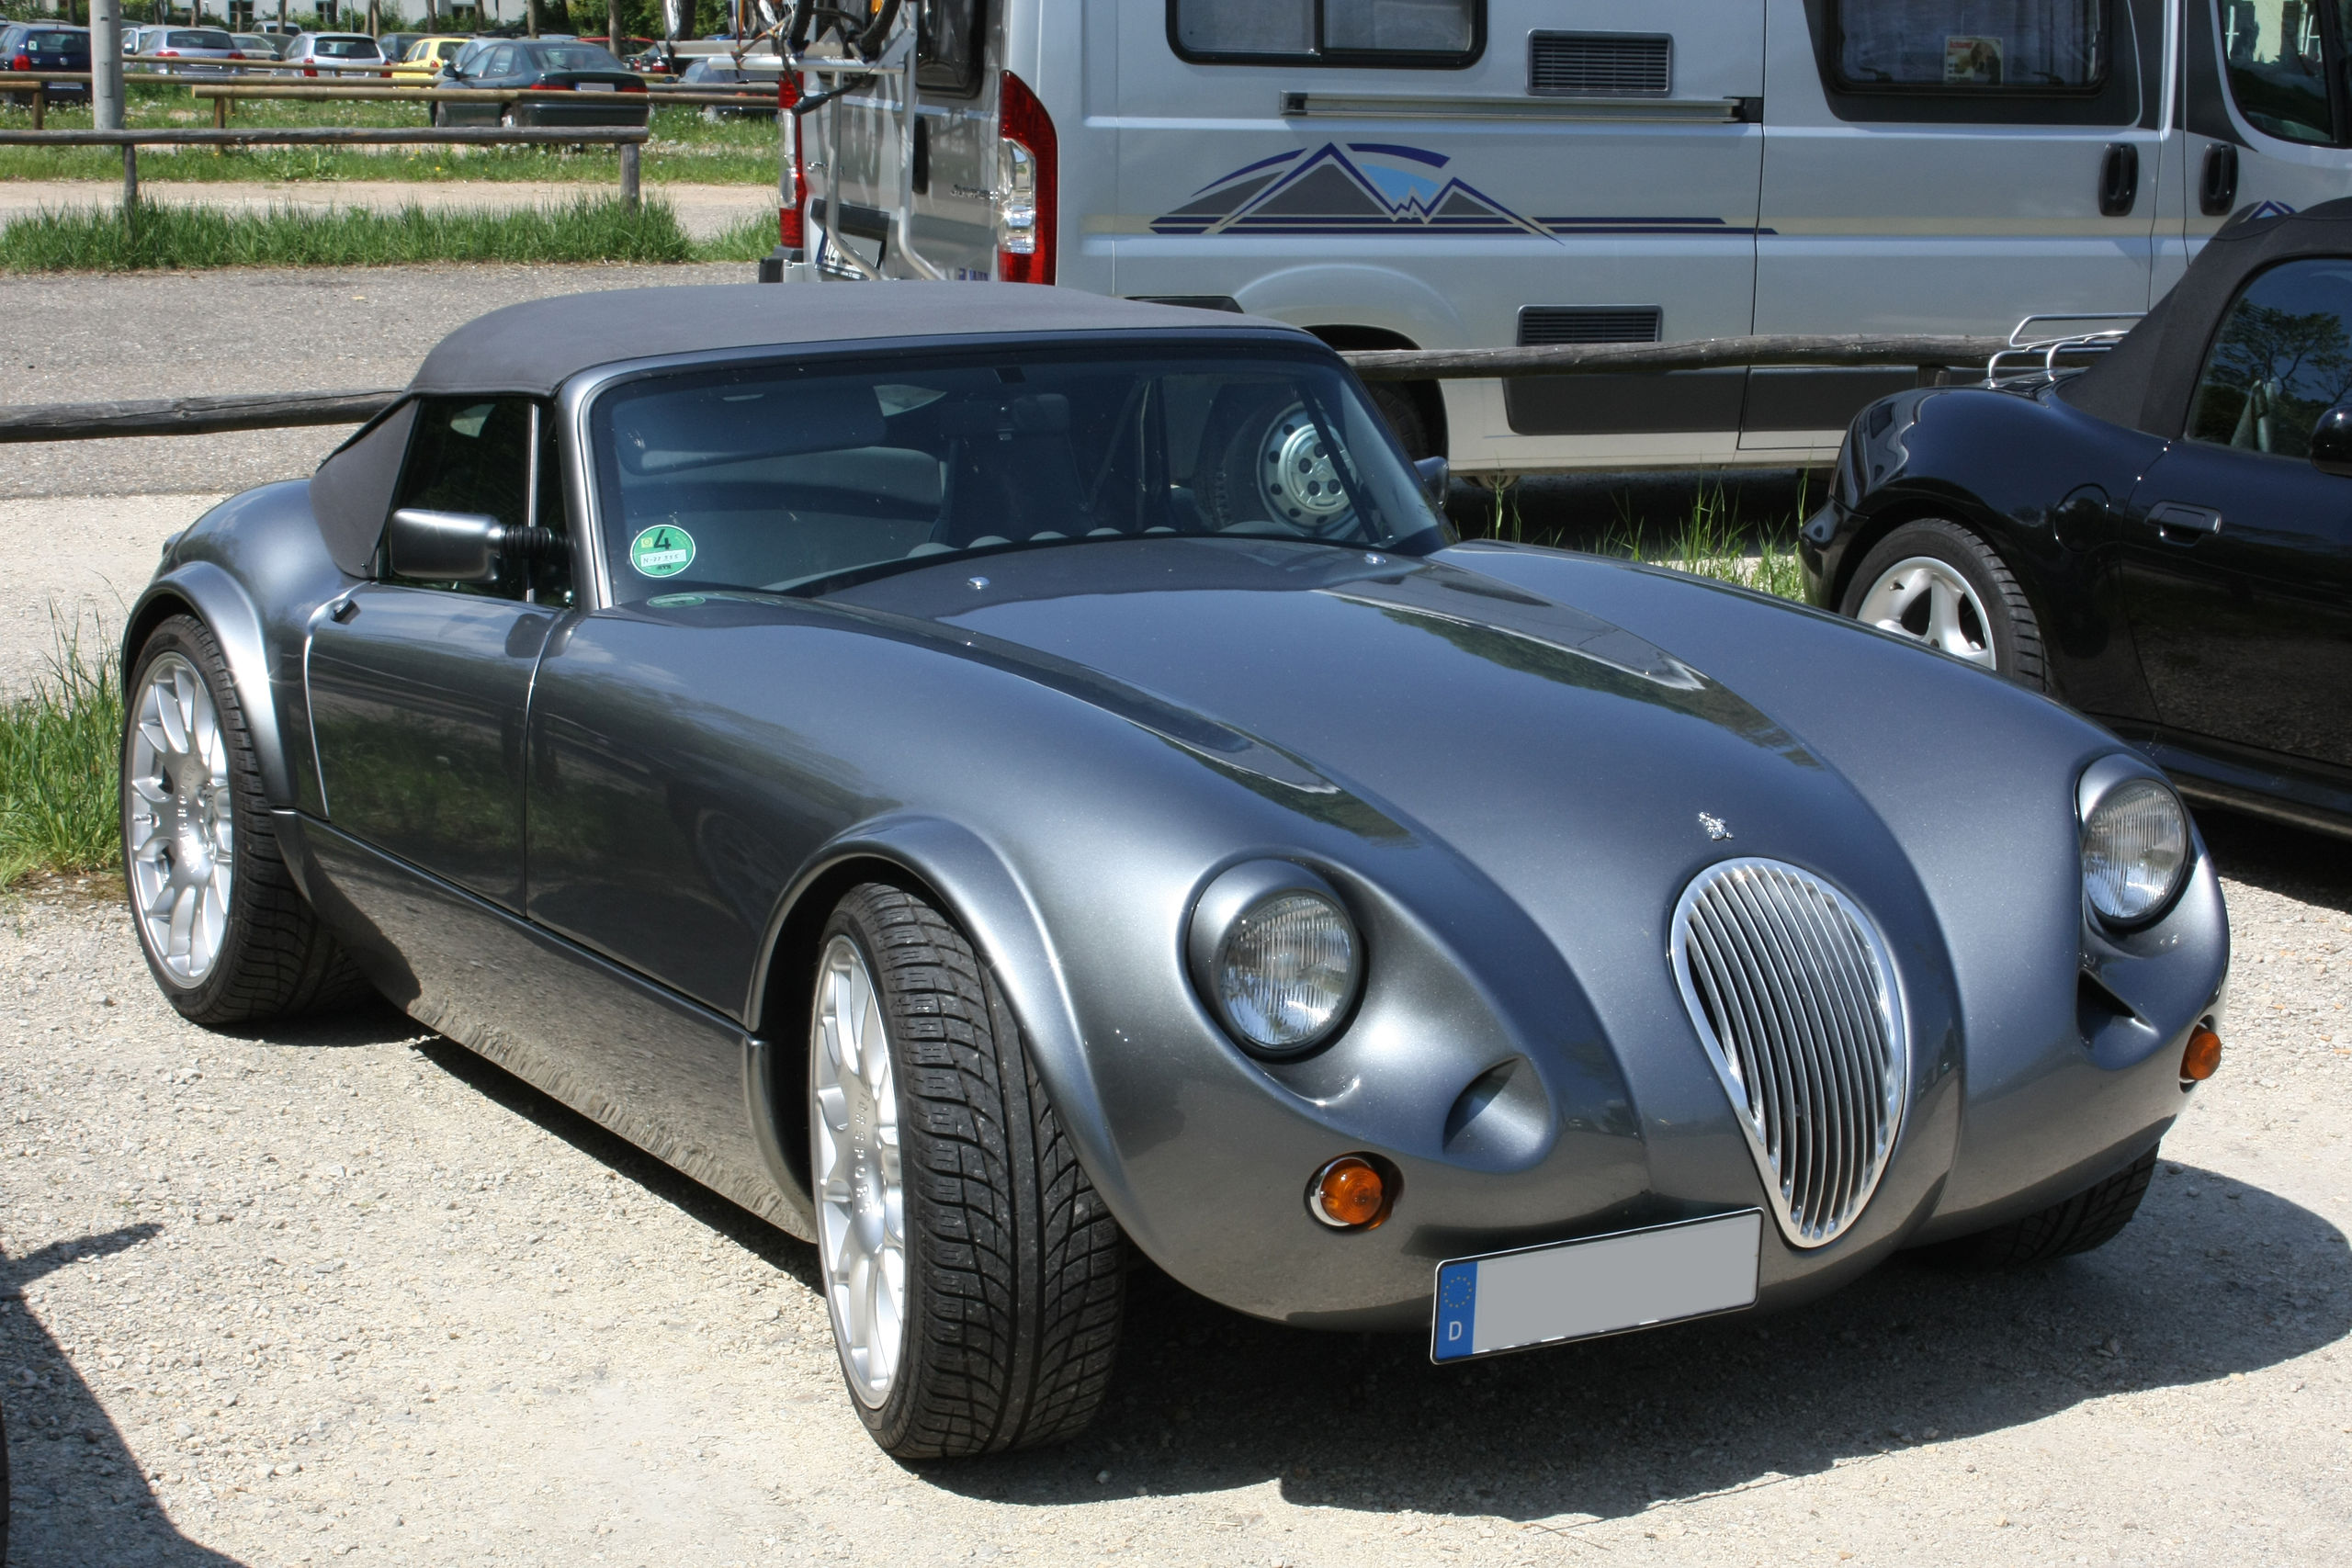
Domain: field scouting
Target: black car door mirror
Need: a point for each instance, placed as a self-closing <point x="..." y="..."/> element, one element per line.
<point x="2332" y="441"/>
<point x="443" y="547"/>
<point x="1435" y="476"/>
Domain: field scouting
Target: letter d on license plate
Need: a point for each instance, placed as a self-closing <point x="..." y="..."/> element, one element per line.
<point x="1603" y="1284"/>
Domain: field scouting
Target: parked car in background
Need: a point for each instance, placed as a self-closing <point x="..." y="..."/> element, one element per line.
<point x="334" y="55"/>
<point x="395" y="46"/>
<point x="604" y="91"/>
<point x="988" y="777"/>
<point x="2163" y="540"/>
<point x="260" y="46"/>
<point x="46" y="46"/>
<point x="426" y="57"/>
<point x="713" y="73"/>
<point x="210" y="49"/>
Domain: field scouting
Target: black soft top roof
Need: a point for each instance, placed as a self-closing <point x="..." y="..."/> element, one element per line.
<point x="534" y="348"/>
<point x="2147" y="381"/>
<point x="537" y="346"/>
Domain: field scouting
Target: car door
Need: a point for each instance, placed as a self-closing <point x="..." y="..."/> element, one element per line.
<point x="1947" y="166"/>
<point x="418" y="689"/>
<point x="2238" y="560"/>
<point x="2268" y="117"/>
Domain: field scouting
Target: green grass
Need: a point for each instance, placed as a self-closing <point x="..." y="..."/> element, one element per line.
<point x="177" y="237"/>
<point x="686" y="147"/>
<point x="1708" y="539"/>
<point x="59" y="762"/>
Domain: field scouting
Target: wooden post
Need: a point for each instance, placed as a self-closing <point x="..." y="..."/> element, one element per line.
<point x="129" y="176"/>
<point x="221" y="114"/>
<point x="629" y="175"/>
<point x="40" y="104"/>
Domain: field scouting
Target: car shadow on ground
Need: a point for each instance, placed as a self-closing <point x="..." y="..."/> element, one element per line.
<point x="2294" y="863"/>
<point x="79" y="1494"/>
<point x="2231" y="1279"/>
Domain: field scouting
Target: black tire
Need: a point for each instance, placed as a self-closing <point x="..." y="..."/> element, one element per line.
<point x="277" y="958"/>
<point x="1014" y="1271"/>
<point x="1401" y="407"/>
<point x="2090" y="1219"/>
<point x="2009" y="627"/>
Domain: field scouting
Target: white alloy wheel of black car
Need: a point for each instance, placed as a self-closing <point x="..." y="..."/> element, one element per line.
<point x="226" y="934"/>
<point x="1940" y="583"/>
<point x="972" y="1274"/>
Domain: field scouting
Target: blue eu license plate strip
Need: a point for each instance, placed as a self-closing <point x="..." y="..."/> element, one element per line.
<point x="1603" y="1284"/>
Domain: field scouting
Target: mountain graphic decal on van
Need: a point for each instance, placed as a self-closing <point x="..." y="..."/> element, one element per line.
<point x="1381" y="188"/>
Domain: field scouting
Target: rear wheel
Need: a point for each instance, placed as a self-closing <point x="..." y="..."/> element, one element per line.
<point x="2091" y="1218"/>
<point x="971" y="1272"/>
<point x="226" y="934"/>
<point x="1941" y="585"/>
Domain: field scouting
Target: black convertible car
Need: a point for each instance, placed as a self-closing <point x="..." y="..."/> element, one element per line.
<point x="2163" y="540"/>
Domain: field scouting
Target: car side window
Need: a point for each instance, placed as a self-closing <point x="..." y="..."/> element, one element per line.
<point x="1328" y="32"/>
<point x="2282" y="357"/>
<point x="1972" y="45"/>
<point x="474" y="455"/>
<point x="948" y="47"/>
<point x="2275" y="54"/>
<point x="500" y="62"/>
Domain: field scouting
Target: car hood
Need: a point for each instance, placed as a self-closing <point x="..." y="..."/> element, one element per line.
<point x="1586" y="771"/>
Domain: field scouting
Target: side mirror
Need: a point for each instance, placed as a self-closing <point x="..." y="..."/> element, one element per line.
<point x="1436" y="475"/>
<point x="2332" y="441"/>
<point x="445" y="546"/>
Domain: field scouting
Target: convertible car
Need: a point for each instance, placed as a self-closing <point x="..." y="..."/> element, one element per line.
<point x="989" y="778"/>
<point x="2163" y="540"/>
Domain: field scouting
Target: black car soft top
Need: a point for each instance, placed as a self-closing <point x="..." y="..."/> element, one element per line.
<point x="536" y="346"/>
<point x="2146" y="382"/>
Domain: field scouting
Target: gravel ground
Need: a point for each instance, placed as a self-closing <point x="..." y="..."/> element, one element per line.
<point x="345" y="1289"/>
<point x="705" y="211"/>
<point x="88" y="337"/>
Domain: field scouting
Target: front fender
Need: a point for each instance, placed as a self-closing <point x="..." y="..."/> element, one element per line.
<point x="206" y="591"/>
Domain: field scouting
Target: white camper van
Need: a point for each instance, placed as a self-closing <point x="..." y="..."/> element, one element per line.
<point x="1445" y="174"/>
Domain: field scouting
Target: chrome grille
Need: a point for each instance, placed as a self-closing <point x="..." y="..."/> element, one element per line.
<point x="1796" y="1003"/>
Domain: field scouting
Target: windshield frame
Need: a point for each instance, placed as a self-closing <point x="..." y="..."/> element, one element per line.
<point x="576" y="402"/>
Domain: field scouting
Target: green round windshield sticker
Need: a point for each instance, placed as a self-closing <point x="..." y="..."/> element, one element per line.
<point x="662" y="550"/>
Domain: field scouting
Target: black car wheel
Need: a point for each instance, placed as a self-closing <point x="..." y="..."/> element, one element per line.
<point x="226" y="934"/>
<point x="973" y="1276"/>
<point x="2091" y="1218"/>
<point x="1942" y="584"/>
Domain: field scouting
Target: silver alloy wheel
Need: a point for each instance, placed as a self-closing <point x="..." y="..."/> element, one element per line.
<point x="179" y="820"/>
<point x="1927" y="598"/>
<point x="1297" y="479"/>
<point x="861" y="1196"/>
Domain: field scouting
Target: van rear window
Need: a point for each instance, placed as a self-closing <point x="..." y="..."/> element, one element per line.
<point x="1331" y="32"/>
<point x="1981" y="45"/>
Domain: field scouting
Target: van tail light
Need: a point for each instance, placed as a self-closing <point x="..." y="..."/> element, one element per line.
<point x="1026" y="160"/>
<point x="792" y="194"/>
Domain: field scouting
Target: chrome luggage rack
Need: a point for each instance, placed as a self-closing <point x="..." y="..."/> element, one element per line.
<point x="2026" y="349"/>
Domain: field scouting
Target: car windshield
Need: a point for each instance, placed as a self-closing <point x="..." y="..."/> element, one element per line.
<point x="571" y="57"/>
<point x="799" y="476"/>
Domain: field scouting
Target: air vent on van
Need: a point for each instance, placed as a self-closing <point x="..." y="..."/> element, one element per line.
<point x="1605" y="66"/>
<point x="1541" y="325"/>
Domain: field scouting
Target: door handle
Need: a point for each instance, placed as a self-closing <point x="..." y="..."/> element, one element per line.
<point x="2217" y="185"/>
<point x="342" y="615"/>
<point x="2178" y="525"/>
<point x="2119" y="180"/>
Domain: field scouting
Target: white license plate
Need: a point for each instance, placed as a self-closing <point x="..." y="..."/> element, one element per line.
<point x="1603" y="1284"/>
<point x="597" y="87"/>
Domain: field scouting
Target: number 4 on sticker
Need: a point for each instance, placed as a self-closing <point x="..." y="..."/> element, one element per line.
<point x="663" y="550"/>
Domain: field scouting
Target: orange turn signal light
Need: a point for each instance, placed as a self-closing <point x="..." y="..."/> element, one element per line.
<point x="1350" y="1194"/>
<point x="2203" y="1058"/>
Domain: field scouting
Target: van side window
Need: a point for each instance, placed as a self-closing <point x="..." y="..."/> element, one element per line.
<point x="947" y="47"/>
<point x="2282" y="358"/>
<point x="1328" y="32"/>
<point x="2275" y="54"/>
<point x="1960" y="46"/>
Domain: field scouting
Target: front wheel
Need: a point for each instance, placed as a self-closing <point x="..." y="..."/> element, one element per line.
<point x="972" y="1274"/>
<point x="1942" y="584"/>
<point x="226" y="934"/>
<point x="2090" y="1219"/>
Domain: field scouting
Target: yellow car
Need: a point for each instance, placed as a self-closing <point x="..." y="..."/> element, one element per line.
<point x="422" y="62"/>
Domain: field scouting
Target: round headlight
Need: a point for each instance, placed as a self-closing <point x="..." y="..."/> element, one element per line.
<point x="2135" y="851"/>
<point x="1275" y="955"/>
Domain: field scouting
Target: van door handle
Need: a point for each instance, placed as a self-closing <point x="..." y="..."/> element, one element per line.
<point x="2119" y="180"/>
<point x="2217" y="186"/>
<point x="2178" y="525"/>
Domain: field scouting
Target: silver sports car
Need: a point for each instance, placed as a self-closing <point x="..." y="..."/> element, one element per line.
<point x="988" y="778"/>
